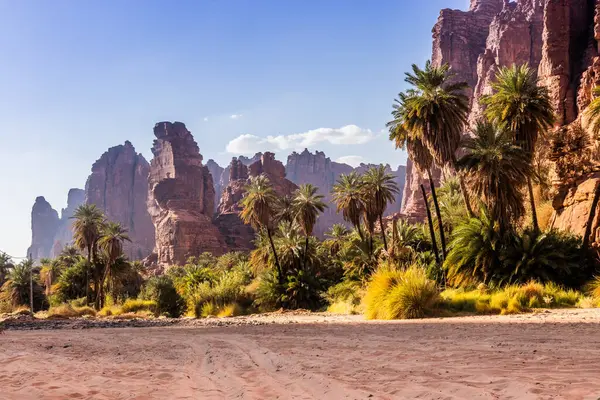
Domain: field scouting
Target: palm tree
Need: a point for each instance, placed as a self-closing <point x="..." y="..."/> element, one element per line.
<point x="113" y="235"/>
<point x="307" y="205"/>
<point x="5" y="266"/>
<point x="49" y="272"/>
<point x="284" y="210"/>
<point x="405" y="138"/>
<point x="258" y="209"/>
<point x="379" y="189"/>
<point x="437" y="110"/>
<point x="16" y="289"/>
<point x="69" y="256"/>
<point x="86" y="232"/>
<point x="347" y="197"/>
<point x="496" y="170"/>
<point x="522" y="108"/>
<point x="336" y="237"/>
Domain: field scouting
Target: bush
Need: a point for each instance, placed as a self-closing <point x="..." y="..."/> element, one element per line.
<point x="210" y="298"/>
<point x="161" y="290"/>
<point x="344" y="298"/>
<point x="400" y="294"/>
<point x="69" y="311"/>
<point x="299" y="290"/>
<point x="133" y="306"/>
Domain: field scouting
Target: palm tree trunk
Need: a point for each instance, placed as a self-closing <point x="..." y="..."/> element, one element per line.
<point x="385" y="246"/>
<point x="588" y="227"/>
<point x="279" y="272"/>
<point x="534" y="220"/>
<point x="100" y="292"/>
<point x="87" y="275"/>
<point x="438" y="214"/>
<point x="463" y="189"/>
<point x="431" y="231"/>
<point x="360" y="232"/>
<point x="305" y="253"/>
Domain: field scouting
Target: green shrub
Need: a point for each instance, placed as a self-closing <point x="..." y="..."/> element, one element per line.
<point x="161" y="290"/>
<point x="300" y="290"/>
<point x="394" y="294"/>
<point x="344" y="298"/>
<point x="228" y="288"/>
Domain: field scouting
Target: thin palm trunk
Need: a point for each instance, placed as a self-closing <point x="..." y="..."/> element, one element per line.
<point x="534" y="220"/>
<point x="385" y="246"/>
<point x="588" y="227"/>
<point x="360" y="232"/>
<point x="305" y="253"/>
<point x="87" y="275"/>
<point x="279" y="272"/>
<point x="431" y="231"/>
<point x="100" y="292"/>
<point x="437" y="213"/>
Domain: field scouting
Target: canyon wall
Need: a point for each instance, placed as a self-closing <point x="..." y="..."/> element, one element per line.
<point x="118" y="185"/>
<point x="181" y="197"/>
<point x="559" y="40"/>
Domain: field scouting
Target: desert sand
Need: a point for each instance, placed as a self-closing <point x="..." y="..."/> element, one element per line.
<point x="546" y="355"/>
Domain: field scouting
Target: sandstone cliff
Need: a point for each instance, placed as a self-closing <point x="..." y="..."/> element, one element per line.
<point x="181" y="197"/>
<point x="558" y="38"/>
<point x="118" y="185"/>
<point x="216" y="171"/>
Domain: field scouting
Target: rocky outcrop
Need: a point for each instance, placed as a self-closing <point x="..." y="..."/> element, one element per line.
<point x="64" y="233"/>
<point x="44" y="225"/>
<point x="216" y="171"/>
<point x="118" y="185"/>
<point x="514" y="37"/>
<point x="236" y="234"/>
<point x="275" y="171"/>
<point x="181" y="197"/>
<point x="573" y="207"/>
<point x="318" y="169"/>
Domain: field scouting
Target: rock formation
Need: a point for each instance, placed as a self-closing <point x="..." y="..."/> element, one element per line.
<point x="64" y="233"/>
<point x="181" y="197"/>
<point x="118" y="185"/>
<point x="557" y="38"/>
<point x="236" y="234"/>
<point x="50" y="234"/>
<point x="44" y="225"/>
<point x="216" y="171"/>
<point x="319" y="170"/>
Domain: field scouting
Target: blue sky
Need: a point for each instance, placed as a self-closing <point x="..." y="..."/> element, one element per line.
<point x="77" y="77"/>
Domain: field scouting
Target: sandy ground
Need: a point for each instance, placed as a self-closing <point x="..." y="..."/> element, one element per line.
<point x="547" y="355"/>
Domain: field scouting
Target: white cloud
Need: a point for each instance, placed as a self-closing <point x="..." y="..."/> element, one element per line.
<point x="349" y="134"/>
<point x="235" y="116"/>
<point x="353" y="161"/>
<point x="205" y="119"/>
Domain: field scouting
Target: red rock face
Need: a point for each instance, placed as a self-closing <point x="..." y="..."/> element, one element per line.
<point x="181" y="197"/>
<point x="275" y="171"/>
<point x="118" y="185"/>
<point x="44" y="225"/>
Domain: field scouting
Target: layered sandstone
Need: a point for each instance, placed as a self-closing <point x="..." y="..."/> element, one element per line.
<point x="118" y="185"/>
<point x="181" y="197"/>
